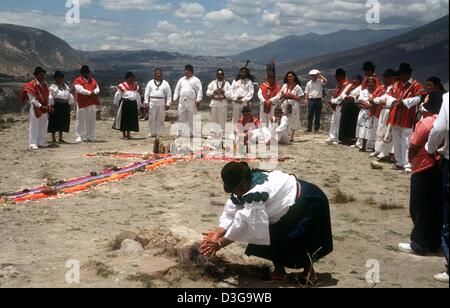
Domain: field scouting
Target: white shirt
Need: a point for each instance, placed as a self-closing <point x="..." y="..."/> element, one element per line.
<point x="60" y="93"/>
<point x="383" y="98"/>
<point x="128" y="95"/>
<point x="247" y="219"/>
<point x="408" y="102"/>
<point x="354" y="94"/>
<point x="242" y="89"/>
<point x="80" y="90"/>
<point x="221" y="100"/>
<point x="297" y="91"/>
<point x="281" y="129"/>
<point x="314" y="89"/>
<point x="158" y="95"/>
<point x="188" y="91"/>
<point x="440" y="130"/>
<point x="364" y="96"/>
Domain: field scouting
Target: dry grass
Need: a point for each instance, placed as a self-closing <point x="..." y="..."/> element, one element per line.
<point x="390" y="205"/>
<point x="145" y="279"/>
<point x="370" y="201"/>
<point x="342" y="198"/>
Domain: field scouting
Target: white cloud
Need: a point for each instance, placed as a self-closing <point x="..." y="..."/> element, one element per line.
<point x="84" y="2"/>
<point x="222" y="31"/>
<point x="167" y="26"/>
<point x="271" y="19"/>
<point x="220" y="16"/>
<point x="190" y="10"/>
<point x="122" y="5"/>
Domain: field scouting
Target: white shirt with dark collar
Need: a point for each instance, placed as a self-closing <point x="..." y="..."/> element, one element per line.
<point x="247" y="219"/>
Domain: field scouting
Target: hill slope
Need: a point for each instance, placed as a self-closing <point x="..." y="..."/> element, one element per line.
<point x="425" y="48"/>
<point x="23" y="48"/>
<point x="295" y="47"/>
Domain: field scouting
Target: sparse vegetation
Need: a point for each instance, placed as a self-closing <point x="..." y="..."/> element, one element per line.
<point x="103" y="270"/>
<point x="145" y="279"/>
<point x="390" y="205"/>
<point x="342" y="198"/>
<point x="370" y="201"/>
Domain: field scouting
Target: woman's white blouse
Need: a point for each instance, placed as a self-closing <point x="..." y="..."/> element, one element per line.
<point x="247" y="219"/>
<point x="297" y="91"/>
<point x="60" y="93"/>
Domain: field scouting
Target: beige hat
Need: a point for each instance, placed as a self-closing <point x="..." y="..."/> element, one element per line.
<point x="314" y="72"/>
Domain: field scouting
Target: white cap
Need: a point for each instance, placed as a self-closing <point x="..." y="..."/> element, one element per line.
<point x="314" y="72"/>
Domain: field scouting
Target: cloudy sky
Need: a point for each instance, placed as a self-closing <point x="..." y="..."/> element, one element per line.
<point x="219" y="27"/>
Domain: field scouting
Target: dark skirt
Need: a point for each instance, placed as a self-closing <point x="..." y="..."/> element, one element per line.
<point x="303" y="233"/>
<point x="426" y="209"/>
<point x="129" y="119"/>
<point x="349" y="120"/>
<point x="59" y="120"/>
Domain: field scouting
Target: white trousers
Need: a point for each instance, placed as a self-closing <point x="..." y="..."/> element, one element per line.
<point x="219" y="116"/>
<point x="266" y="117"/>
<point x="402" y="139"/>
<point x="86" y="122"/>
<point x="237" y="112"/>
<point x="156" y="117"/>
<point x="384" y="135"/>
<point x="335" y="123"/>
<point x="37" y="129"/>
<point x="186" y="117"/>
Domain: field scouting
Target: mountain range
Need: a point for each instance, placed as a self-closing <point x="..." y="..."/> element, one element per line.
<point x="296" y="47"/>
<point x="23" y="48"/>
<point x="425" y="48"/>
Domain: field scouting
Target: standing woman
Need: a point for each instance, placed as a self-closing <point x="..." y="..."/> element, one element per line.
<point x="283" y="220"/>
<point x="60" y="100"/>
<point x="433" y="101"/>
<point x="128" y="99"/>
<point x="367" y="122"/>
<point x="289" y="97"/>
<point x="350" y="112"/>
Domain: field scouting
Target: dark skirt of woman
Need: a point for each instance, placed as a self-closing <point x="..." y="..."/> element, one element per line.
<point x="349" y="120"/>
<point x="301" y="236"/>
<point x="129" y="119"/>
<point x="59" y="119"/>
<point x="426" y="209"/>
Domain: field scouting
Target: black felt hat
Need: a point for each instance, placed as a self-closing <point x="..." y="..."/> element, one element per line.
<point x="389" y="73"/>
<point x="368" y="66"/>
<point x="340" y="72"/>
<point x="58" y="74"/>
<point x="38" y="70"/>
<point x="234" y="174"/>
<point x="85" y="69"/>
<point x="129" y="74"/>
<point x="405" y="68"/>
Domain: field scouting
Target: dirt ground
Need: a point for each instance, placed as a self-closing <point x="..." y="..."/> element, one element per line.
<point x="171" y="206"/>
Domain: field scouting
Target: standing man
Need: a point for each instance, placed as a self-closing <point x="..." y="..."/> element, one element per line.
<point x="383" y="145"/>
<point x="189" y="94"/>
<point x="268" y="90"/>
<point x="128" y="99"/>
<point x="242" y="92"/>
<point x="158" y="98"/>
<point x="86" y="95"/>
<point x="313" y="98"/>
<point x="336" y="102"/>
<point x="439" y="133"/>
<point x="219" y="92"/>
<point x="404" y="97"/>
<point x="36" y="93"/>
